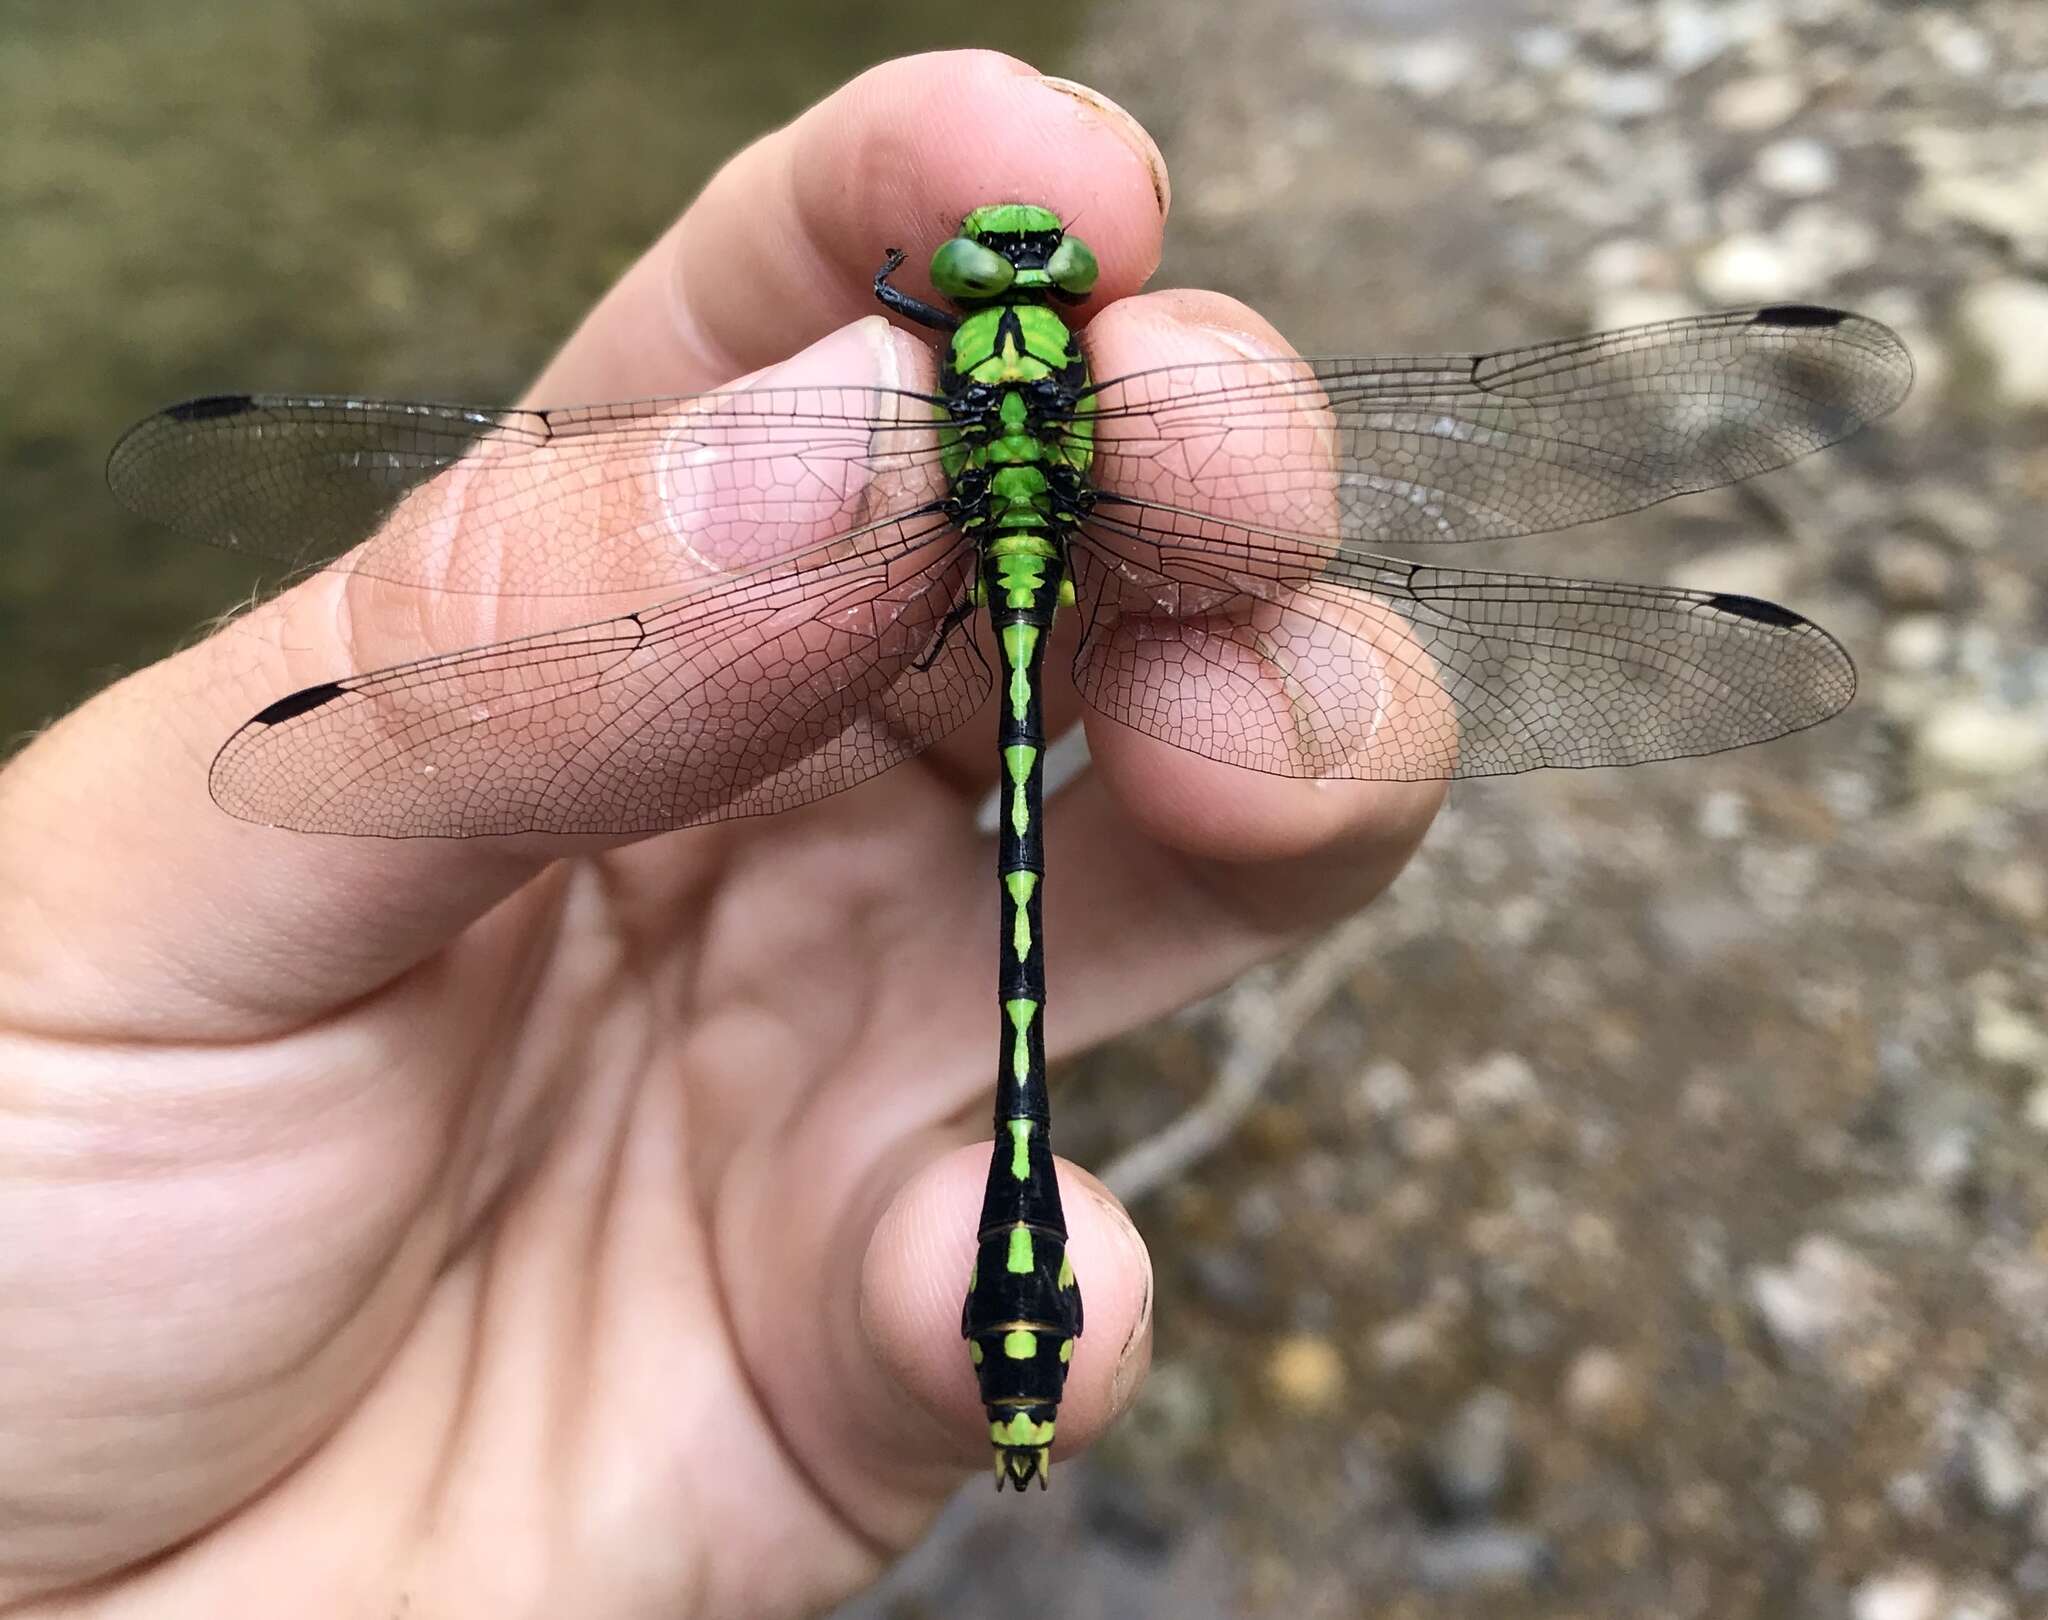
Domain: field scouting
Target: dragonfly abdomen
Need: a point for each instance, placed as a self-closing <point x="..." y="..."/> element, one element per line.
<point x="1012" y="378"/>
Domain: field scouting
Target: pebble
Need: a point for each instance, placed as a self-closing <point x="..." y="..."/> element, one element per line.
<point x="2000" y="1473"/>
<point x="2006" y="322"/>
<point x="1919" y="645"/>
<point x="1797" y="167"/>
<point x="1745" y="268"/>
<point x="1385" y="1091"/>
<point x="1484" y="1555"/>
<point x="2016" y="889"/>
<point x="1763" y="101"/>
<point x="1627" y="262"/>
<point x="1305" y="1372"/>
<point x="2002" y="1034"/>
<point x="1629" y="94"/>
<point x="1820" y="1298"/>
<point x="1690" y="33"/>
<point x="1962" y="49"/>
<point x="1909" y="1592"/>
<point x="1802" y="1516"/>
<point x="1968" y="739"/>
<point x="1912" y="572"/>
<point x="1604" y="1394"/>
<point x="1407" y="1342"/>
<point x="1430" y="67"/>
<point x="2006" y="204"/>
<point x="1723" y="814"/>
<point x="1471" y="1458"/>
<point x="1499" y="1083"/>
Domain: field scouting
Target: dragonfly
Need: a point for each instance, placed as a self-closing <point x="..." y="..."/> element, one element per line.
<point x="844" y="575"/>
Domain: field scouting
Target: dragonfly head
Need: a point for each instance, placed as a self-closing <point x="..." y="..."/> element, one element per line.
<point x="1010" y="253"/>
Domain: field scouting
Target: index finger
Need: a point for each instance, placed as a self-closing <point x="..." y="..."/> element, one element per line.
<point x="783" y="244"/>
<point x="106" y="822"/>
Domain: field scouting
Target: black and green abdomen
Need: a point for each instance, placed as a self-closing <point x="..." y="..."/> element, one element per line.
<point x="1018" y="463"/>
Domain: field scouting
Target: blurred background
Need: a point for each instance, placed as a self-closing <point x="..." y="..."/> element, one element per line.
<point x="1643" y="1209"/>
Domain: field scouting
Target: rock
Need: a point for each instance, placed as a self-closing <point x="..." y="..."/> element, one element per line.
<point x="2006" y="322"/>
<point x="1384" y="1091"/>
<point x="1632" y="93"/>
<point x="1911" y="572"/>
<point x="2016" y="889"/>
<point x="1627" y="262"/>
<point x="1429" y="1138"/>
<point x="1827" y="1293"/>
<point x="2000" y="1473"/>
<point x="1486" y="1555"/>
<point x="1723" y="814"/>
<point x="1471" y="1458"/>
<point x="1743" y="269"/>
<point x="1801" y="1514"/>
<point x="1499" y="1083"/>
<point x="1819" y="244"/>
<point x="1604" y="1394"/>
<point x="2002" y="1034"/>
<point x="1957" y="46"/>
<point x="1305" y="1373"/>
<point x="1543" y="49"/>
<point x="1909" y="1592"/>
<point x="1919" y="645"/>
<point x="2035" y="1110"/>
<point x="1763" y="101"/>
<point x="1429" y="67"/>
<point x="1797" y="167"/>
<point x="1691" y="34"/>
<point x="1966" y="739"/>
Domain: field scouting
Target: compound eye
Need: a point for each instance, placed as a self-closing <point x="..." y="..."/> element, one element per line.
<point x="963" y="268"/>
<point x="1072" y="266"/>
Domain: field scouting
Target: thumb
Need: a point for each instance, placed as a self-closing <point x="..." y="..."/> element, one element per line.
<point x="912" y="1284"/>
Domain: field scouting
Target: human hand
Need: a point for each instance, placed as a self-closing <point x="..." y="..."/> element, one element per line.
<point x="576" y="1226"/>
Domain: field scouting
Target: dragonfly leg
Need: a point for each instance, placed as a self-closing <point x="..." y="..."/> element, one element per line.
<point x="911" y="309"/>
<point x="960" y="612"/>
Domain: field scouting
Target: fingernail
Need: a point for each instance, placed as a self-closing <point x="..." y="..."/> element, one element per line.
<point x="1126" y="129"/>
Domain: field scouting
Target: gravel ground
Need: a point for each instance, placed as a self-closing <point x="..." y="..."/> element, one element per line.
<point x="1654" y="1219"/>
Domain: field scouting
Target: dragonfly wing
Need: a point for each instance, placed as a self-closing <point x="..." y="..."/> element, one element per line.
<point x="746" y="696"/>
<point x="1259" y="651"/>
<point x="653" y="495"/>
<point x="1396" y="452"/>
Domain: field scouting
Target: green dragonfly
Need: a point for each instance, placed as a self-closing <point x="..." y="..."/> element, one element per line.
<point x="852" y="572"/>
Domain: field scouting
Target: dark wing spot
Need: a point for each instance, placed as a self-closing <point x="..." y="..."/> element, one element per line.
<point x="290" y="708"/>
<point x="200" y="410"/>
<point x="1756" y="608"/>
<point x="1797" y="315"/>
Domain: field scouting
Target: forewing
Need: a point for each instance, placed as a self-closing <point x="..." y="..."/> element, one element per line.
<point x="1261" y="651"/>
<point x="1378" y="453"/>
<point x="746" y="696"/>
<point x="587" y="501"/>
